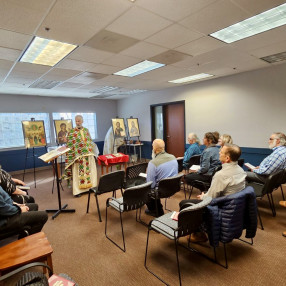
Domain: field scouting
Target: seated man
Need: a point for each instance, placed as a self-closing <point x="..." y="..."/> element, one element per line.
<point x="15" y="216"/>
<point x="229" y="180"/>
<point x="9" y="185"/>
<point x="276" y="161"/>
<point x="163" y="166"/>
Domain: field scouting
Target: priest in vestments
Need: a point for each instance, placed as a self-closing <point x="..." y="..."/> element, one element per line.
<point x="80" y="163"/>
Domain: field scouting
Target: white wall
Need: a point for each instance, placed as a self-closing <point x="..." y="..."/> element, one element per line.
<point x="104" y="109"/>
<point x="249" y="106"/>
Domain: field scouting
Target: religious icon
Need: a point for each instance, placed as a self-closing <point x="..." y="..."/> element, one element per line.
<point x="118" y="127"/>
<point x="133" y="127"/>
<point x="34" y="133"/>
<point x="62" y="128"/>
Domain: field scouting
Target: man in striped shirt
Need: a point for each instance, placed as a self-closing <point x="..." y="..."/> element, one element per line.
<point x="276" y="161"/>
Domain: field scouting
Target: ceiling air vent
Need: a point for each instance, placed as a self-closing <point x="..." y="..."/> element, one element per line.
<point x="275" y="58"/>
<point x="45" y="84"/>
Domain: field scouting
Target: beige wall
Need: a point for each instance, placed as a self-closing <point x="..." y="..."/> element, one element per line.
<point x="249" y="106"/>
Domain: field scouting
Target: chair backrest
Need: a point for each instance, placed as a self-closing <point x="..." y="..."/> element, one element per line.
<point x="273" y="182"/>
<point x="194" y="160"/>
<point x="111" y="182"/>
<point x="240" y="162"/>
<point x="190" y="219"/>
<point x="180" y="164"/>
<point x="135" y="197"/>
<point x="169" y="186"/>
<point x="133" y="172"/>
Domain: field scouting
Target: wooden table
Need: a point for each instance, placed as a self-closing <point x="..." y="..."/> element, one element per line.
<point x="110" y="160"/>
<point x="33" y="248"/>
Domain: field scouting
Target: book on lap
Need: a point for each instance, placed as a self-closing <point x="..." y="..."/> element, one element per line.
<point x="195" y="167"/>
<point x="249" y="166"/>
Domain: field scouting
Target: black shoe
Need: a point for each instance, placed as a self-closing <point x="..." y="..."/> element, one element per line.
<point x="151" y="213"/>
<point x="78" y="196"/>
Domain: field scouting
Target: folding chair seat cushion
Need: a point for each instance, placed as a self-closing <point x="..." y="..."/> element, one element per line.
<point x="117" y="204"/>
<point x="165" y="225"/>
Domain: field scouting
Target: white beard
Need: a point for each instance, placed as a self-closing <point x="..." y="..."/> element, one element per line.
<point x="153" y="155"/>
<point x="273" y="144"/>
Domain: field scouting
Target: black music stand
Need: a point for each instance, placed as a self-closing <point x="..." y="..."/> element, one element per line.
<point x="60" y="209"/>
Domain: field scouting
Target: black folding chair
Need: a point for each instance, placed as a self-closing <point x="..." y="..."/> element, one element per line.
<point x="107" y="183"/>
<point x="189" y="221"/>
<point x="132" y="175"/>
<point x="133" y="199"/>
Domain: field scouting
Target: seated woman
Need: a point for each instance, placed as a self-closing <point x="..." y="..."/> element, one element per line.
<point x="209" y="161"/>
<point x="225" y="139"/>
<point x="194" y="149"/>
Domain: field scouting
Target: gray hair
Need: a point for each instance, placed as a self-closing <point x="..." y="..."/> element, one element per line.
<point x="282" y="137"/>
<point x="226" y="139"/>
<point x="193" y="136"/>
<point x="79" y="116"/>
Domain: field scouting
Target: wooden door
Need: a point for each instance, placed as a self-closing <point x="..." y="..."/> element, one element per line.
<point x="174" y="117"/>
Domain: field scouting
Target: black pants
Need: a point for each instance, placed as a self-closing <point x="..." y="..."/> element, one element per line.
<point x="253" y="177"/>
<point x="33" y="219"/>
<point x="151" y="204"/>
<point x="191" y="179"/>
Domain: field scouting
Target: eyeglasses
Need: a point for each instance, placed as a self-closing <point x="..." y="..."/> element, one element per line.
<point x="270" y="139"/>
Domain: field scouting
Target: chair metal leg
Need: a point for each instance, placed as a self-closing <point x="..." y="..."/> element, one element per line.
<point x="166" y="205"/>
<point x="178" y="264"/>
<point x="271" y="203"/>
<point x="191" y="190"/>
<point x="283" y="197"/>
<point x="145" y="263"/>
<point x="260" y="220"/>
<point x="87" y="208"/>
<point x="225" y="256"/>
<point x="98" y="210"/>
<point x="139" y="220"/>
<point x="124" y="248"/>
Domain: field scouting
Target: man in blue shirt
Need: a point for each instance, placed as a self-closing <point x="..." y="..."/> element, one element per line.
<point x="163" y="166"/>
<point x="276" y="161"/>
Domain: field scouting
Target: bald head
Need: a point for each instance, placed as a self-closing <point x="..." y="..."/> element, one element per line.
<point x="158" y="146"/>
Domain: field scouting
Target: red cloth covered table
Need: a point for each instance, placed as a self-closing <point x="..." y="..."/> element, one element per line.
<point x="110" y="160"/>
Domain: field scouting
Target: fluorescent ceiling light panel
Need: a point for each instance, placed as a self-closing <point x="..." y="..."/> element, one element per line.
<point x="46" y="52"/>
<point x="265" y="21"/>
<point x="139" y="68"/>
<point x="191" y="78"/>
<point x="103" y="89"/>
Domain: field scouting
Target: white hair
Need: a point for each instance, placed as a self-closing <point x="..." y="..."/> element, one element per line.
<point x="193" y="136"/>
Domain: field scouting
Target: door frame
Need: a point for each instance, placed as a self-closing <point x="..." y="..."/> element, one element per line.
<point x="164" y="121"/>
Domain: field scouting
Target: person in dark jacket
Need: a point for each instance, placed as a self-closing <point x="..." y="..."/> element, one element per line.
<point x="16" y="217"/>
<point x="9" y="185"/>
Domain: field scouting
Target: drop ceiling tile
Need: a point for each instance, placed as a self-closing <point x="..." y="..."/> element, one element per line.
<point x="14" y="40"/>
<point x="87" y="78"/>
<point x="138" y="23"/>
<point x="31" y="68"/>
<point x="273" y="48"/>
<point x="5" y="67"/>
<point x="258" y="6"/>
<point x="68" y="85"/>
<point x="200" y="46"/>
<point x="121" y="61"/>
<point x="59" y="74"/>
<point x="174" y="36"/>
<point x="110" y="42"/>
<point x="215" y="17"/>
<point x="75" y="65"/>
<point x="260" y="40"/>
<point x="86" y="54"/>
<point x="169" y="57"/>
<point x="75" y="22"/>
<point x="174" y="10"/>
<point x="14" y="15"/>
<point x="105" y="69"/>
<point x="9" y="54"/>
<point x="143" y="50"/>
